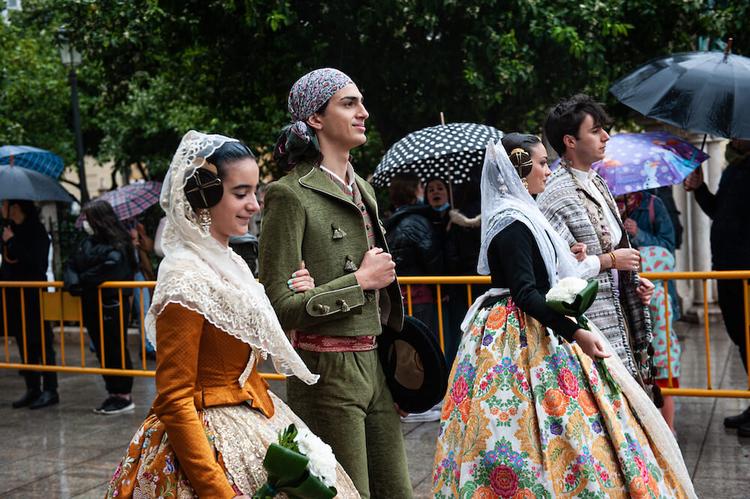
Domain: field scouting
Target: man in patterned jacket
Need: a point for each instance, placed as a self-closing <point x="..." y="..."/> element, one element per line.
<point x="581" y="208"/>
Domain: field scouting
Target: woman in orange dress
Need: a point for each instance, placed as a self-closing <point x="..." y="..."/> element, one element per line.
<point x="211" y="322"/>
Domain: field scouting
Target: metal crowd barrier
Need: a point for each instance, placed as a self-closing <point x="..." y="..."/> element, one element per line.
<point x="60" y="307"/>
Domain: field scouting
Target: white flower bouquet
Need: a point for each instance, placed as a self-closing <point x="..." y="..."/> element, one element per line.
<point x="573" y="296"/>
<point x="300" y="465"/>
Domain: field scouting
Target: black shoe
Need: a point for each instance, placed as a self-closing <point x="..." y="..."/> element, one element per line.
<point x="47" y="398"/>
<point x="744" y="430"/>
<point x="115" y="405"/>
<point x="28" y="398"/>
<point x="738" y="420"/>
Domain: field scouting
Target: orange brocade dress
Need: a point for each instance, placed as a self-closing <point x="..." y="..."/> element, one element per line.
<point x="205" y="436"/>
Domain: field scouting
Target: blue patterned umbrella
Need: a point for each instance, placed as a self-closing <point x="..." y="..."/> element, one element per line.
<point x="32" y="158"/>
<point x="639" y="161"/>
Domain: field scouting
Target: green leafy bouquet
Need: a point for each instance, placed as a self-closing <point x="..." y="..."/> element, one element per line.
<point x="300" y="465"/>
<point x="572" y="296"/>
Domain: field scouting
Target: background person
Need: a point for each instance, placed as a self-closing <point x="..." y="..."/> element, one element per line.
<point x="730" y="247"/>
<point x="25" y="247"/>
<point x="649" y="225"/>
<point x="107" y="254"/>
<point x="413" y="246"/>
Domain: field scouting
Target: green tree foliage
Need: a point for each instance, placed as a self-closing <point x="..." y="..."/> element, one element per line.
<point x="153" y="70"/>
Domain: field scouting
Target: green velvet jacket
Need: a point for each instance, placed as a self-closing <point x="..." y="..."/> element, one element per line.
<point x="307" y="217"/>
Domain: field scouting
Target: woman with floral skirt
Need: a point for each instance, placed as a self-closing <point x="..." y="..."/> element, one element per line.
<point x="533" y="413"/>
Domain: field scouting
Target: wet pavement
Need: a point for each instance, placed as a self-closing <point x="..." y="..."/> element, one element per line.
<point x="67" y="451"/>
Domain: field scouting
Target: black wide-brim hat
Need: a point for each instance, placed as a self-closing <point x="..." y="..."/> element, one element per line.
<point x="414" y="366"/>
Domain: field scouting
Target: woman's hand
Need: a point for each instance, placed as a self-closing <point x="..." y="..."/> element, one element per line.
<point x="301" y="280"/>
<point x="579" y="250"/>
<point x="631" y="227"/>
<point x="645" y="290"/>
<point x="7" y="233"/>
<point x="590" y="344"/>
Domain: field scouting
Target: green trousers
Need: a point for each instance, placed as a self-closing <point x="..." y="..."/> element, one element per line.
<point x="352" y="410"/>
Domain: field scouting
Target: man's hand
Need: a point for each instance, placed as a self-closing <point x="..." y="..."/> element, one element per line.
<point x="627" y="259"/>
<point x="630" y="227"/>
<point x="645" y="290"/>
<point x="579" y="250"/>
<point x="590" y="344"/>
<point x="694" y="180"/>
<point x="7" y="233"/>
<point x="376" y="271"/>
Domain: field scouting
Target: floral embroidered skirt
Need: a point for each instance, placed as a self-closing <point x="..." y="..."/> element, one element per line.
<point x="658" y="259"/>
<point x="530" y="416"/>
<point x="239" y="437"/>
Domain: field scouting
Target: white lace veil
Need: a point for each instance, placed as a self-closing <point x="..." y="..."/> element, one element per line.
<point x="204" y="276"/>
<point x="504" y="201"/>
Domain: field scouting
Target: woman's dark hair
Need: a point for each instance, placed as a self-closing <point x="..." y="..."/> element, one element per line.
<point x="437" y="179"/>
<point x="521" y="161"/>
<point x="292" y="148"/>
<point x="108" y="229"/>
<point x="227" y="154"/>
<point x="202" y="189"/>
<point x="28" y="208"/>
<point x="566" y="118"/>
<point x="403" y="189"/>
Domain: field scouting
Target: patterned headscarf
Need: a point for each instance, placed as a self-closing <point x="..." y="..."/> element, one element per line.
<point x="297" y="140"/>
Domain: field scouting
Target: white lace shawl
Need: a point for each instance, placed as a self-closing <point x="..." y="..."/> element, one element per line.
<point x="504" y="201"/>
<point x="202" y="275"/>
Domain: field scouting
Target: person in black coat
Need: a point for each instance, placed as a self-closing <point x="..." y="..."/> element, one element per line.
<point x="730" y="247"/>
<point x="412" y="243"/>
<point x="106" y="255"/>
<point x="25" y="246"/>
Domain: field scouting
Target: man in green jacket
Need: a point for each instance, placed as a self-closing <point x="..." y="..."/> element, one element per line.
<point x="321" y="220"/>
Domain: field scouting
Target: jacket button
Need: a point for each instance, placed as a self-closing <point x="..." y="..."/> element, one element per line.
<point x="342" y="305"/>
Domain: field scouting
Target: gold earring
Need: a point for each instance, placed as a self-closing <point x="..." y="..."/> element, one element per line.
<point x="204" y="220"/>
<point x="525" y="183"/>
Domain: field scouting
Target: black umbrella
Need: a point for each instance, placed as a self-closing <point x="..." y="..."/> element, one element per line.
<point x="706" y="92"/>
<point x="22" y="183"/>
<point x="447" y="151"/>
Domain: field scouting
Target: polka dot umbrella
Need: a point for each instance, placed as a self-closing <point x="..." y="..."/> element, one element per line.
<point x="449" y="151"/>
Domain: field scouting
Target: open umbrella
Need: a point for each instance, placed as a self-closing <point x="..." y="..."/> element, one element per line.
<point x="21" y="183"/>
<point x="449" y="151"/>
<point x="130" y="200"/>
<point x="639" y="161"/>
<point x="706" y="92"/>
<point x="32" y="158"/>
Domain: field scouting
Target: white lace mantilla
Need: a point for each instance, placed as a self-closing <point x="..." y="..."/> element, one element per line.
<point x="207" y="277"/>
<point x="248" y="317"/>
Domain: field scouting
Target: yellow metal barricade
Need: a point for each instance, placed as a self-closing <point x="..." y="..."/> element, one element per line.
<point x="60" y="308"/>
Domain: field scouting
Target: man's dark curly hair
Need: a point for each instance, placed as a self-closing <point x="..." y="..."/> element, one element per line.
<point x="566" y="118"/>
